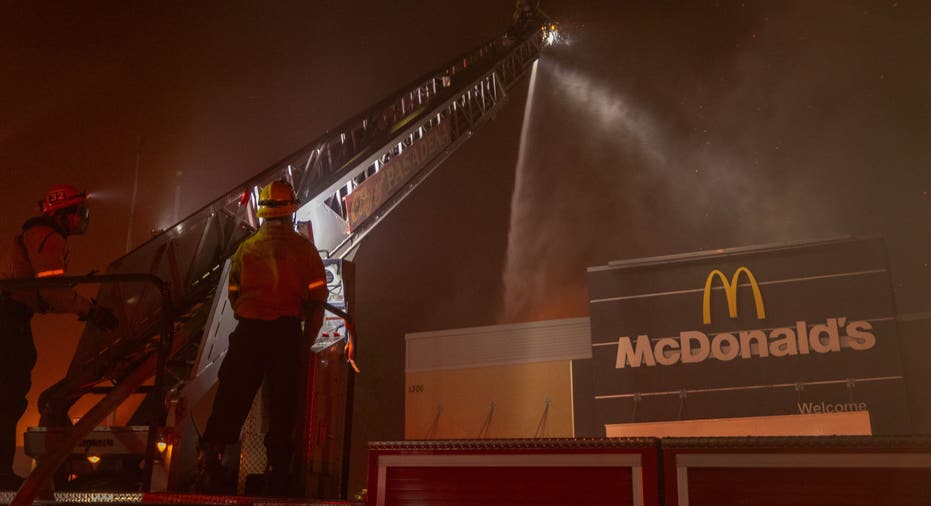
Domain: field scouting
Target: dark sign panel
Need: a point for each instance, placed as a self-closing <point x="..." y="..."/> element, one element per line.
<point x="779" y="330"/>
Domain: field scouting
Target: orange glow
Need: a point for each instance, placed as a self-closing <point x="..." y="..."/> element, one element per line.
<point x="350" y="350"/>
<point x="852" y="423"/>
<point x="316" y="284"/>
<point x="161" y="445"/>
<point x="55" y="272"/>
<point x="93" y="459"/>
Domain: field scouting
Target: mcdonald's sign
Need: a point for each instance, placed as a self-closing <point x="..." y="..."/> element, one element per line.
<point x="730" y="291"/>
<point x="765" y="330"/>
<point x="694" y="346"/>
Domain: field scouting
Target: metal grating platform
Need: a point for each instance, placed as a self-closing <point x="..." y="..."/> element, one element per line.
<point x="66" y="498"/>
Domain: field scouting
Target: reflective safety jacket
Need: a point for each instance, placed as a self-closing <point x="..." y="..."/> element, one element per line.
<point x="276" y="273"/>
<point x="41" y="251"/>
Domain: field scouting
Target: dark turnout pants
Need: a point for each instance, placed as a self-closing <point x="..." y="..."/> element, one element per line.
<point x="16" y="363"/>
<point x="259" y="349"/>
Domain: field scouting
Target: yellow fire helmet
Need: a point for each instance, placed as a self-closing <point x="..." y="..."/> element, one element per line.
<point x="276" y="200"/>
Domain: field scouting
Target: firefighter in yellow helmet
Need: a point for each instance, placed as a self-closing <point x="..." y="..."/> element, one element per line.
<point x="39" y="250"/>
<point x="277" y="279"/>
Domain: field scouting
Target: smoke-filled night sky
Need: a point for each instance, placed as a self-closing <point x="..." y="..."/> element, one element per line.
<point x="718" y="125"/>
<point x="660" y="127"/>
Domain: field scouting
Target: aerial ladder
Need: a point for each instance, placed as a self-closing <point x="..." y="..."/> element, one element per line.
<point x="170" y="292"/>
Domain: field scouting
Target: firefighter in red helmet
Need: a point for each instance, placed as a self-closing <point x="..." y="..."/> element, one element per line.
<point x="39" y="250"/>
<point x="277" y="280"/>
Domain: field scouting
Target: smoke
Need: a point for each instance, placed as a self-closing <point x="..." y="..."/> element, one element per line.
<point x="682" y="141"/>
<point x="107" y="195"/>
<point x="621" y="171"/>
<point x="563" y="188"/>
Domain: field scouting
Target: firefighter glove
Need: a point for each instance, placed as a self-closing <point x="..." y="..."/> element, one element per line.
<point x="102" y="318"/>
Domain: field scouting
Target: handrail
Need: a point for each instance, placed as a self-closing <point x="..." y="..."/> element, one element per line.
<point x="49" y="463"/>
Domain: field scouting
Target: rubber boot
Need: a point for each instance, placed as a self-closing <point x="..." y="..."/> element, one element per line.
<point x="10" y="482"/>
<point x="211" y="477"/>
<point x="277" y="482"/>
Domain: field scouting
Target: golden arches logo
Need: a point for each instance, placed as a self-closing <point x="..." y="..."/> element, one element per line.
<point x="730" y="291"/>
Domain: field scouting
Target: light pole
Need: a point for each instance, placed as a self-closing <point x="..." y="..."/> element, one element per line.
<point x="132" y="202"/>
